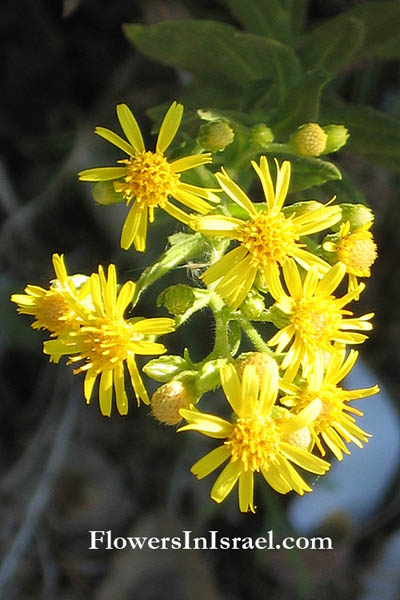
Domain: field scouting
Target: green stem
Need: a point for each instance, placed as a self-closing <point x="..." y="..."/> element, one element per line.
<point x="221" y="344"/>
<point x="190" y="246"/>
<point x="254" y="336"/>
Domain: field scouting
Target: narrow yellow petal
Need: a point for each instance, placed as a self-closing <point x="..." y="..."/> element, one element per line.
<point x="224" y="265"/>
<point x="232" y="387"/>
<point x="211" y="461"/>
<point x="130" y="127"/>
<point x="105" y="392"/>
<point x="269" y="387"/>
<point x="154" y="326"/>
<point x="131" y="225"/>
<point x="125" y="296"/>
<point x="305" y="459"/>
<point x="250" y="390"/>
<point x="235" y="193"/>
<point x="139" y="240"/>
<point x="137" y="383"/>
<point x="102" y="173"/>
<point x="115" y="139"/>
<point x="119" y="386"/>
<point x="169" y="126"/>
<point x="246" y="491"/>
<point x="292" y="279"/>
<point x="226" y="481"/>
<point x="264" y="175"/>
<point x="190" y="162"/>
<point x="331" y="280"/>
<point x="274" y="478"/>
<point x="282" y="183"/>
<point x="303" y="418"/>
<point x="88" y="384"/>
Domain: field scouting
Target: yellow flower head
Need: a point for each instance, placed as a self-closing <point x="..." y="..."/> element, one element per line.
<point x="266" y="238"/>
<point x="333" y="424"/>
<point x="147" y="178"/>
<point x="357" y="250"/>
<point x="106" y="342"/>
<point x="315" y="318"/>
<point x="49" y="307"/>
<point x="256" y="441"/>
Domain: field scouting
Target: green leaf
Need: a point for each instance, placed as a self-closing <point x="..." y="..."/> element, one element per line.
<point x="198" y="46"/>
<point x="333" y="45"/>
<point x="301" y="104"/>
<point x="381" y="21"/>
<point x="297" y="10"/>
<point x="211" y="48"/>
<point x="264" y="17"/>
<point x="373" y="134"/>
<point x="309" y="172"/>
<point x="275" y="60"/>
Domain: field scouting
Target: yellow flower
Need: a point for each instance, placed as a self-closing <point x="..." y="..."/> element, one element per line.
<point x="315" y="318"/>
<point x="266" y="239"/>
<point x="256" y="441"/>
<point x="106" y="341"/>
<point x="333" y="424"/>
<point x="49" y="307"/>
<point x="148" y="178"/>
<point x="357" y="250"/>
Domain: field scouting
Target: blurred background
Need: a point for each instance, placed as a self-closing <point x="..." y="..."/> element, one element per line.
<point x="65" y="469"/>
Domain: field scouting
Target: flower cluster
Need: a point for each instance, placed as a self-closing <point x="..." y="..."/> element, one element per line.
<point x="283" y="274"/>
<point x="88" y="325"/>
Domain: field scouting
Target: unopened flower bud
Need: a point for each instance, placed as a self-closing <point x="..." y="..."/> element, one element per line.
<point x="301" y="208"/>
<point x="177" y="299"/>
<point x="300" y="438"/>
<point x="337" y="137"/>
<point x="260" y="360"/>
<point x="309" y="139"/>
<point x="253" y="305"/>
<point x="261" y="136"/>
<point x="166" y="367"/>
<point x="209" y="375"/>
<point x="215" y="136"/>
<point x="357" y="215"/>
<point x="168" y="399"/>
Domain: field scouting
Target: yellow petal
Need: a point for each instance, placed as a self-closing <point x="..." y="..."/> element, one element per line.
<point x="130" y="127"/>
<point x="102" y="173"/>
<point x="226" y="481"/>
<point x="115" y="139"/>
<point x="105" y="392"/>
<point x="169" y="126"/>
<point x="246" y="491"/>
<point x="211" y="461"/>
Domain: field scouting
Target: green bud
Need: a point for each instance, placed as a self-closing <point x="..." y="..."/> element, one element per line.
<point x="215" y="136"/>
<point x="300" y="208"/>
<point x="278" y="318"/>
<point x="337" y="137"/>
<point x="261" y="136"/>
<point x="103" y="193"/>
<point x="357" y="214"/>
<point x="177" y="299"/>
<point x="253" y="305"/>
<point x="309" y="139"/>
<point x="166" y="367"/>
<point x="209" y="377"/>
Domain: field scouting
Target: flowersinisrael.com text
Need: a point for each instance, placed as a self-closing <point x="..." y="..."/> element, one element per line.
<point x="104" y="540"/>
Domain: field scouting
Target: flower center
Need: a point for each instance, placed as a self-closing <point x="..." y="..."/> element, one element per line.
<point x="53" y="312"/>
<point x="254" y="441"/>
<point x="105" y="345"/>
<point x="149" y="179"/>
<point x="358" y="252"/>
<point x="269" y="238"/>
<point x="316" y="321"/>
